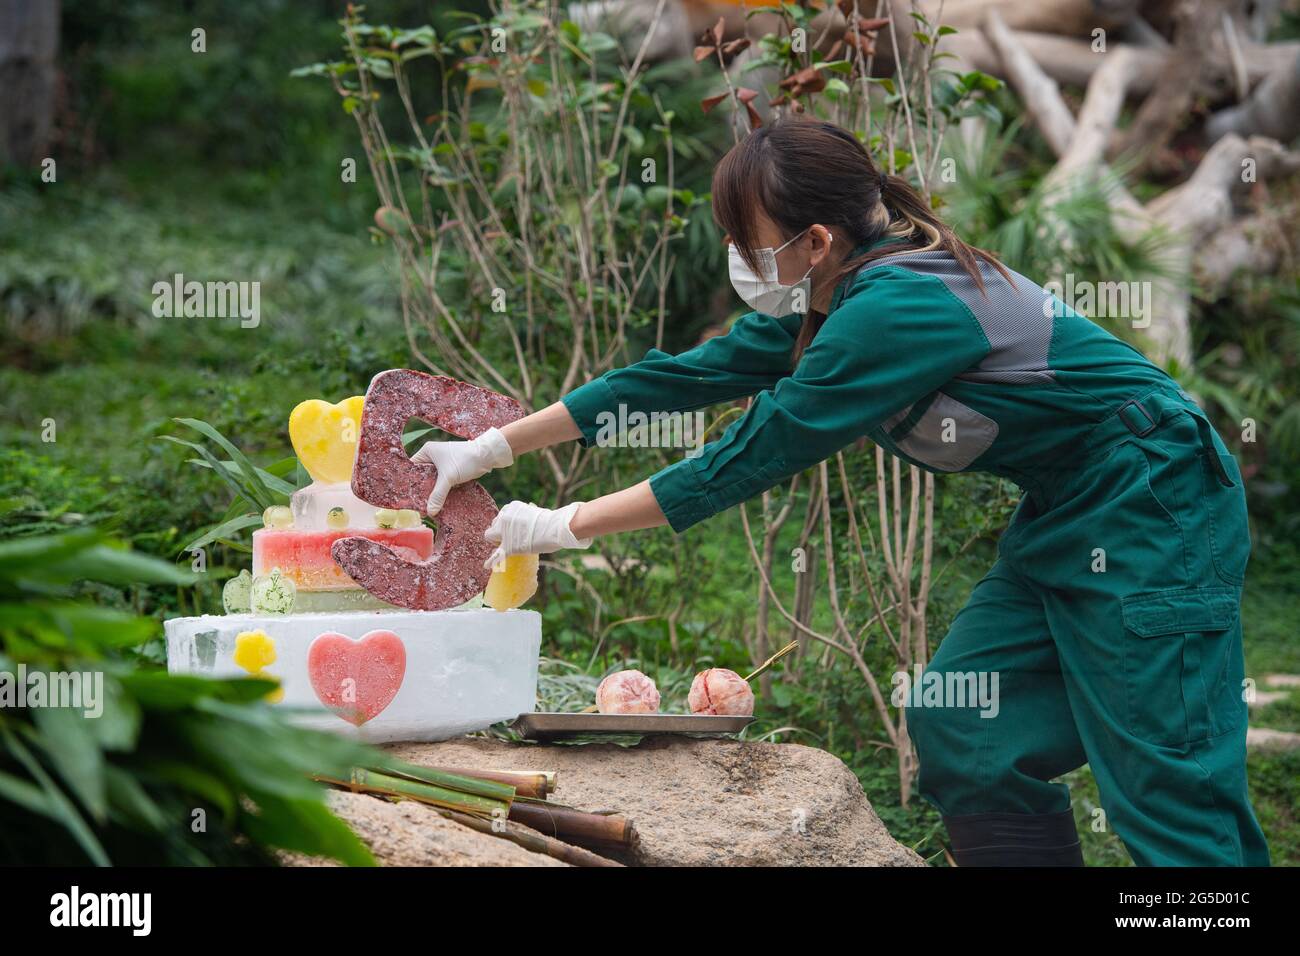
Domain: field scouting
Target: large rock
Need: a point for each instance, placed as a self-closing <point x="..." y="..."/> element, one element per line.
<point x="411" y="834"/>
<point x="1266" y="738"/>
<point x="704" y="802"/>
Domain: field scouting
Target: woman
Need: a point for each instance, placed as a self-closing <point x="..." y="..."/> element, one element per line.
<point x="1111" y="614"/>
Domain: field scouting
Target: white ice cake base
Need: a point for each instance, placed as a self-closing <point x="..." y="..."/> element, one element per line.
<point x="464" y="669"/>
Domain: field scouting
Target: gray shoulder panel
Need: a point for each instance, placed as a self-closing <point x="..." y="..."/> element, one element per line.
<point x="1016" y="318"/>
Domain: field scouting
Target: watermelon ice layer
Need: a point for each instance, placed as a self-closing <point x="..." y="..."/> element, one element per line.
<point x="304" y="556"/>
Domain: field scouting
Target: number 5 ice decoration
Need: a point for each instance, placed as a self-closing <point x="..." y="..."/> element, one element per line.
<point x="386" y="477"/>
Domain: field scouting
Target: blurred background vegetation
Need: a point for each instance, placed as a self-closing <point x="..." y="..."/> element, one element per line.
<point x="222" y="165"/>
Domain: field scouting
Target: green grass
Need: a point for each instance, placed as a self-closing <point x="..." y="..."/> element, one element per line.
<point x="1270" y="609"/>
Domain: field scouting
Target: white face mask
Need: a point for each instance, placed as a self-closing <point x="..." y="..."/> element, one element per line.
<point x="764" y="292"/>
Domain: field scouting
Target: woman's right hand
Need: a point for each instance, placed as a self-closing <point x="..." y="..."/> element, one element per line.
<point x="460" y="461"/>
<point x="524" y="528"/>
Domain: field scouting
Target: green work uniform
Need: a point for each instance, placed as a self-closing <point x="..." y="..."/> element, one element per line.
<point x="1111" y="616"/>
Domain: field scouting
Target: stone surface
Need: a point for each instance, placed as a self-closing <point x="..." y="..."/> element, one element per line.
<point x="1264" y="698"/>
<point x="704" y="802"/>
<point x="1282" y="680"/>
<point x="410" y="834"/>
<point x="1266" y="738"/>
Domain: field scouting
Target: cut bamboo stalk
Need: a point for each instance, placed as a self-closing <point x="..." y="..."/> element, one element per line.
<point x="604" y="830"/>
<point x="530" y="840"/>
<point x="368" y="781"/>
<point x="527" y="783"/>
<point x="468" y="781"/>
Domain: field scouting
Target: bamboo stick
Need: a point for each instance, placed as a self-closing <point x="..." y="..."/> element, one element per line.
<point x="565" y="824"/>
<point x="368" y="781"/>
<point x="537" y="784"/>
<point x="467" y="781"/>
<point x="530" y="840"/>
<point x="773" y="659"/>
<point x="606" y="830"/>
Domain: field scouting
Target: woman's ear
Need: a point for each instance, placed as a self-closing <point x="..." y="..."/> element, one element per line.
<point x="821" y="240"/>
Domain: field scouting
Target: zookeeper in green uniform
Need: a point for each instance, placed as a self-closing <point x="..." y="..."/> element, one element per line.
<point x="1111" y="614"/>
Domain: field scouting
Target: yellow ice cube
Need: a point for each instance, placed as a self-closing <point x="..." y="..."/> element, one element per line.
<point x="511" y="586"/>
<point x="254" y="650"/>
<point x="324" y="437"/>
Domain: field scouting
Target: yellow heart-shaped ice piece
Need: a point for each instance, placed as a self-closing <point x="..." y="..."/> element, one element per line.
<point x="325" y="437"/>
<point x="513" y="584"/>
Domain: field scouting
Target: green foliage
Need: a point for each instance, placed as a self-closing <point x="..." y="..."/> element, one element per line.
<point x="997" y="200"/>
<point x="146" y="768"/>
<point x="1248" y="373"/>
<point x="38" y="497"/>
<point x="138" y="91"/>
<point x="85" y="280"/>
<point x="1273" y="792"/>
<point x="254" y="489"/>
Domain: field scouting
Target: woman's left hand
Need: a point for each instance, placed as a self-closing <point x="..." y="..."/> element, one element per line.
<point x="523" y="528"/>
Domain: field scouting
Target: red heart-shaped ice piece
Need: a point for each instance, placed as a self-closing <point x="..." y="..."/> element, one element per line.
<point x="357" y="679"/>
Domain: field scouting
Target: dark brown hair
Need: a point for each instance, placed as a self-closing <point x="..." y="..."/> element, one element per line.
<point x="801" y="172"/>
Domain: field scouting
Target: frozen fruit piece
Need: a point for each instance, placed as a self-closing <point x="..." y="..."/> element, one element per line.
<point x="386" y="518"/>
<point x="512" y="585"/>
<point x="236" y="595"/>
<point x="254" y="651"/>
<point x="336" y="519"/>
<point x="720" y="691"/>
<point x="324" y="437"/>
<point x="408" y="518"/>
<point x="304" y="557"/>
<point x="385" y="476"/>
<point x="272" y="593"/>
<point x="627" y="692"/>
<point x="356" y="679"/>
<point x="311" y="506"/>
<point x="277" y="516"/>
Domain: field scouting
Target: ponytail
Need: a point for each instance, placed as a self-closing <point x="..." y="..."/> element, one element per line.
<point x="900" y="212"/>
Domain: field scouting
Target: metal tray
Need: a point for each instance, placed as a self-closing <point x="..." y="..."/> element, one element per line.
<point x="549" y="726"/>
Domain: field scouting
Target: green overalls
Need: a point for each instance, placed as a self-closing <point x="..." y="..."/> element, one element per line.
<point x="1111" y="616"/>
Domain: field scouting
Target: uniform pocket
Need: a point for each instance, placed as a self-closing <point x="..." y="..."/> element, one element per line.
<point x="1183" y="664"/>
<point x="1225" y="510"/>
<point x="949" y="436"/>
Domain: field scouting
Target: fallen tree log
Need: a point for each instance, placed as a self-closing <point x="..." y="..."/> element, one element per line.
<point x="1073" y="62"/>
<point x="1076" y="18"/>
<point x="1185" y="217"/>
<point x="1257" y="244"/>
<point x="1191" y="69"/>
<point x="1039" y="91"/>
<point x="1273" y="109"/>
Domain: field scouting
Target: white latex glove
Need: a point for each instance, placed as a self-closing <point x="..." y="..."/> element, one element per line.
<point x="523" y="528"/>
<point x="461" y="461"/>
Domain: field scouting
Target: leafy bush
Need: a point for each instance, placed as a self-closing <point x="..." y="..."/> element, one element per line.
<point x="172" y="769"/>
